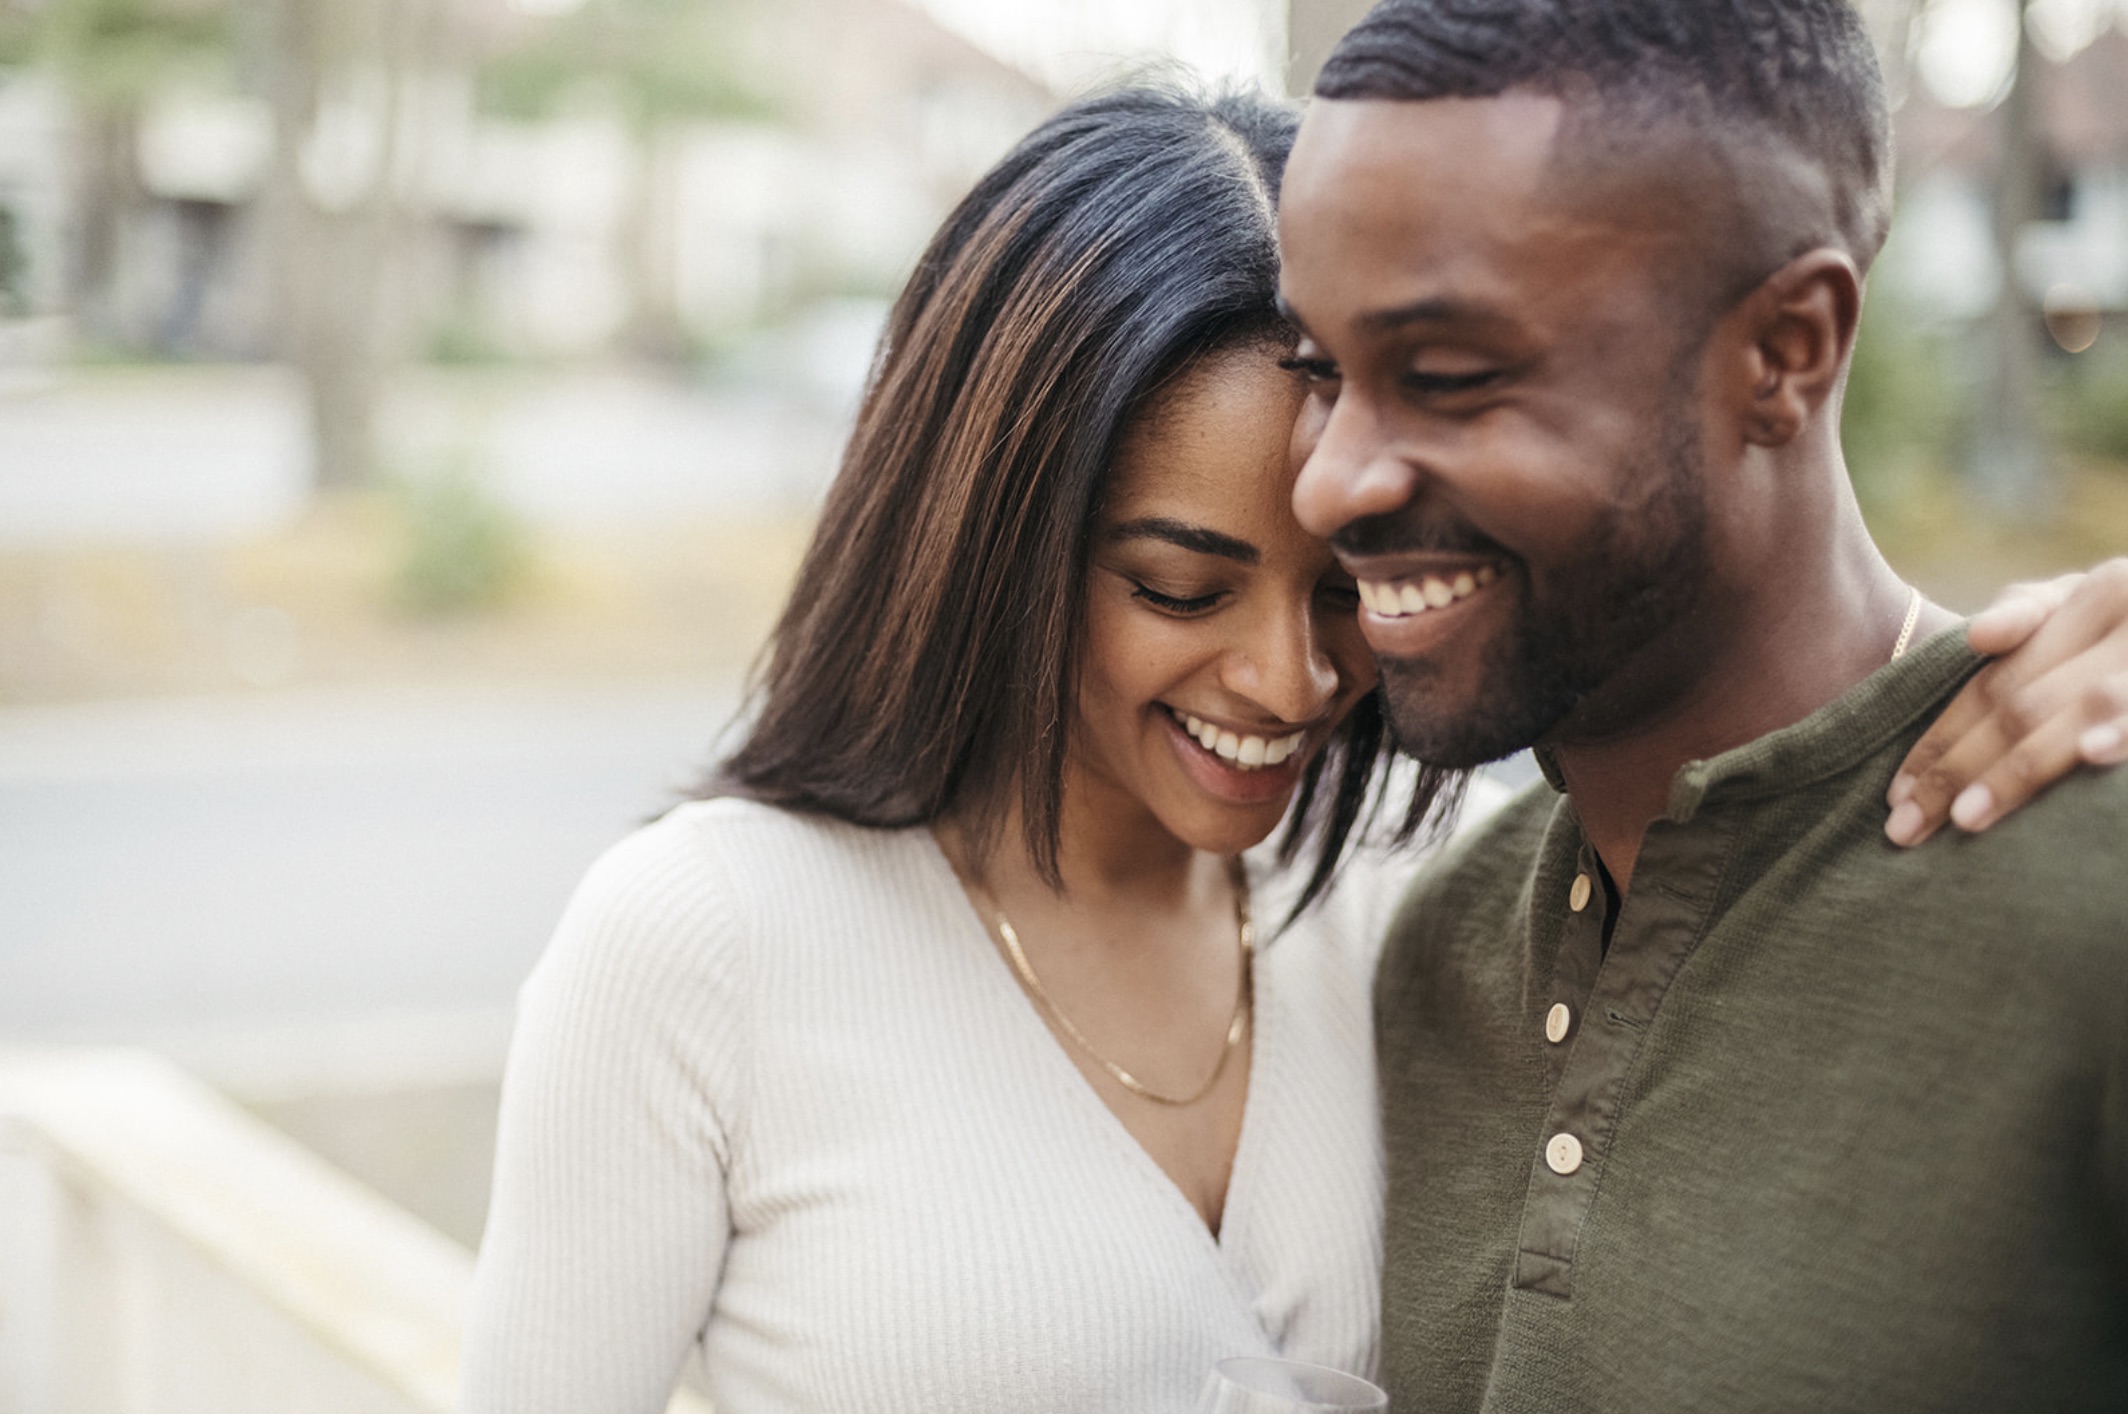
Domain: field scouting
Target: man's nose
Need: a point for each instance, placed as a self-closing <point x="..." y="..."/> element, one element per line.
<point x="1350" y="472"/>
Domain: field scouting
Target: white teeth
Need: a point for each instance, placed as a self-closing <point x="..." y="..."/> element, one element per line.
<point x="1248" y="752"/>
<point x="1396" y="600"/>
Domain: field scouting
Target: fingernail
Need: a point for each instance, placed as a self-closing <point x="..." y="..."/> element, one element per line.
<point x="1902" y="788"/>
<point x="1970" y="811"/>
<point x="2102" y="745"/>
<point x="1905" y="825"/>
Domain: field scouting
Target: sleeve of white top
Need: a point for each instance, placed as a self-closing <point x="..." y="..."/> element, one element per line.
<point x="609" y="1221"/>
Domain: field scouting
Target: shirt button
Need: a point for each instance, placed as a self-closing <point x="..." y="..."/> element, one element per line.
<point x="1583" y="887"/>
<point x="1556" y="1023"/>
<point x="1563" y="1154"/>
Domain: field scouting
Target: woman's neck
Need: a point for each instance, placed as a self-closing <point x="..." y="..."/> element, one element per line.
<point x="1112" y="853"/>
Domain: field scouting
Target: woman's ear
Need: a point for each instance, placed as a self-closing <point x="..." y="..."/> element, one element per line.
<point x="1798" y="328"/>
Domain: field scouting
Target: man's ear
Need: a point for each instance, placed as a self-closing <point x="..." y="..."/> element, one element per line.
<point x="1798" y="327"/>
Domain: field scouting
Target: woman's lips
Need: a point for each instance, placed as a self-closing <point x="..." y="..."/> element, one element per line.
<point x="1247" y="751"/>
<point x="1231" y="779"/>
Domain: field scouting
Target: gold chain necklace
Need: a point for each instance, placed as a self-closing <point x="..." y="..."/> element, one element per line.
<point x="1244" y="1004"/>
<point x="1906" y="630"/>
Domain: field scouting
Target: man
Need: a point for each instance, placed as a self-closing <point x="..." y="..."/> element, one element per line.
<point x="1699" y="1094"/>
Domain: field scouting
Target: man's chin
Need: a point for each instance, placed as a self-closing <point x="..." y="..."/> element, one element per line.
<point x="1462" y="730"/>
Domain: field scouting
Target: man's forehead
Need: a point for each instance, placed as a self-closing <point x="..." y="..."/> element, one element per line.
<point x="1524" y="176"/>
<point x="1384" y="139"/>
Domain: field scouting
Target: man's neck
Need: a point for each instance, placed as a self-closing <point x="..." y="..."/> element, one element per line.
<point x="1781" y="658"/>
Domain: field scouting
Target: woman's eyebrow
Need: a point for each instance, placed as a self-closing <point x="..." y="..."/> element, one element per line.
<point x="1189" y="537"/>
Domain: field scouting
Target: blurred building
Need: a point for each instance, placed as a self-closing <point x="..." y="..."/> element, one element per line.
<point x="1943" y="258"/>
<point x="560" y="235"/>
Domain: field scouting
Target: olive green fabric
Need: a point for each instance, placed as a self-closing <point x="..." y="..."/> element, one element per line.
<point x="1852" y="1121"/>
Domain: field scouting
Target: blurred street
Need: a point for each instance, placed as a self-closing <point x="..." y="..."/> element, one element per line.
<point x="177" y="865"/>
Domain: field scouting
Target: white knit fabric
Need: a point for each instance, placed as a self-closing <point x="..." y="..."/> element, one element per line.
<point x="774" y="1091"/>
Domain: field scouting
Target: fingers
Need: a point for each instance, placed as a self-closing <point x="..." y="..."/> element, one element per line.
<point x="2058" y="700"/>
<point x="2105" y="745"/>
<point x="1971" y="734"/>
<point x="2018" y="611"/>
<point x="2055" y="739"/>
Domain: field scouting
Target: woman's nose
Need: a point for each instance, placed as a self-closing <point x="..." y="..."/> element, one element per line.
<point x="1281" y="665"/>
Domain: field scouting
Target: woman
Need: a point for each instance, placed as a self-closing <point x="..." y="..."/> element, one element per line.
<point x="951" y="1056"/>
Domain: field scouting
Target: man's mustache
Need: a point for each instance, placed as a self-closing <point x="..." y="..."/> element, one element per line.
<point x="1405" y="535"/>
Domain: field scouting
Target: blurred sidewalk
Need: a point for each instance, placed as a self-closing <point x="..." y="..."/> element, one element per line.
<point x="189" y="453"/>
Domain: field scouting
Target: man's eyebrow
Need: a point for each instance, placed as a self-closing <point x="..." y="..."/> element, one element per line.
<point x="1189" y="537"/>
<point x="1435" y="309"/>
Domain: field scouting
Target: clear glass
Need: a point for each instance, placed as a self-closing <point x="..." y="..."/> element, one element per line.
<point x="1248" y="1385"/>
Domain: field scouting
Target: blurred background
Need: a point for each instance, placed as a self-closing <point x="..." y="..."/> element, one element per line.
<point x="411" y="411"/>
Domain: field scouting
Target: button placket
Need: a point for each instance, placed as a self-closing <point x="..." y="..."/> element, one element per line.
<point x="1656" y="931"/>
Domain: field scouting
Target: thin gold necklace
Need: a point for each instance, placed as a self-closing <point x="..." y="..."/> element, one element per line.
<point x="1906" y="630"/>
<point x="1237" y="1027"/>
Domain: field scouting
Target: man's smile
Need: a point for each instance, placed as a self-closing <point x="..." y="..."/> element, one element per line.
<point x="1422" y="593"/>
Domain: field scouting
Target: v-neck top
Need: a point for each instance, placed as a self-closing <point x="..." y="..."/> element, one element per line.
<point x="775" y="1097"/>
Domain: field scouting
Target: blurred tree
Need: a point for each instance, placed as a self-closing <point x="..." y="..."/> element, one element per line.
<point x="2001" y="435"/>
<point x="2007" y="454"/>
<point x="658" y="65"/>
<point x="339" y="76"/>
<point x="1313" y="28"/>
<point x="114" y="56"/>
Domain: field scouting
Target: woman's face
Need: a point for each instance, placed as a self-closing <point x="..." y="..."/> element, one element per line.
<point x="1222" y="641"/>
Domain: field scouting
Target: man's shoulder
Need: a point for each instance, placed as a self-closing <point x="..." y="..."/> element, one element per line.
<point x="2062" y="858"/>
<point x="1497" y="852"/>
<point x="1476" y="886"/>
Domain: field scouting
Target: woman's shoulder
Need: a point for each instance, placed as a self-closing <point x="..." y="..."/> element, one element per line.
<point x="734" y="866"/>
<point x="738" y="847"/>
<point x="688" y="888"/>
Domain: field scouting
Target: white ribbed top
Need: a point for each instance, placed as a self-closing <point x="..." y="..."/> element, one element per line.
<point x="774" y="1091"/>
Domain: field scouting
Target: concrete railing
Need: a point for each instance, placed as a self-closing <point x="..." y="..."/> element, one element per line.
<point x="164" y="1252"/>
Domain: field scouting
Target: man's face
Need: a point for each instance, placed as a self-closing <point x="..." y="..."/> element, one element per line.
<point x="1506" y="429"/>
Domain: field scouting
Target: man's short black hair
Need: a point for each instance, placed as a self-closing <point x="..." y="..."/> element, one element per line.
<point x="1799" y="72"/>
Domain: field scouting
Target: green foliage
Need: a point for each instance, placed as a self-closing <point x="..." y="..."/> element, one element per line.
<point x="1899" y="412"/>
<point x="464" y="550"/>
<point x="18" y="33"/>
<point x="113" y="53"/>
<point x="14" y="267"/>
<point x="2091" y="402"/>
<point x="658" y="60"/>
<point x="458" y="340"/>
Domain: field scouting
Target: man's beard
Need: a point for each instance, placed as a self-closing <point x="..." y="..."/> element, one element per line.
<point x="1637" y="574"/>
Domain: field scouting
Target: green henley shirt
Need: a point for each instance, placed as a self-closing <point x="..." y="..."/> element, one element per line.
<point x="1831" y="1126"/>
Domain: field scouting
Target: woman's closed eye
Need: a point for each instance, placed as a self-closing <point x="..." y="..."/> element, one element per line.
<point x="1182" y="605"/>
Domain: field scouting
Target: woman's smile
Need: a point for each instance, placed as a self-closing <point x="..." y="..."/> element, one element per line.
<point x="1245" y="769"/>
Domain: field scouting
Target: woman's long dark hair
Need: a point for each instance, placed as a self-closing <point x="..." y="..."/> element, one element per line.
<point x="928" y="659"/>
